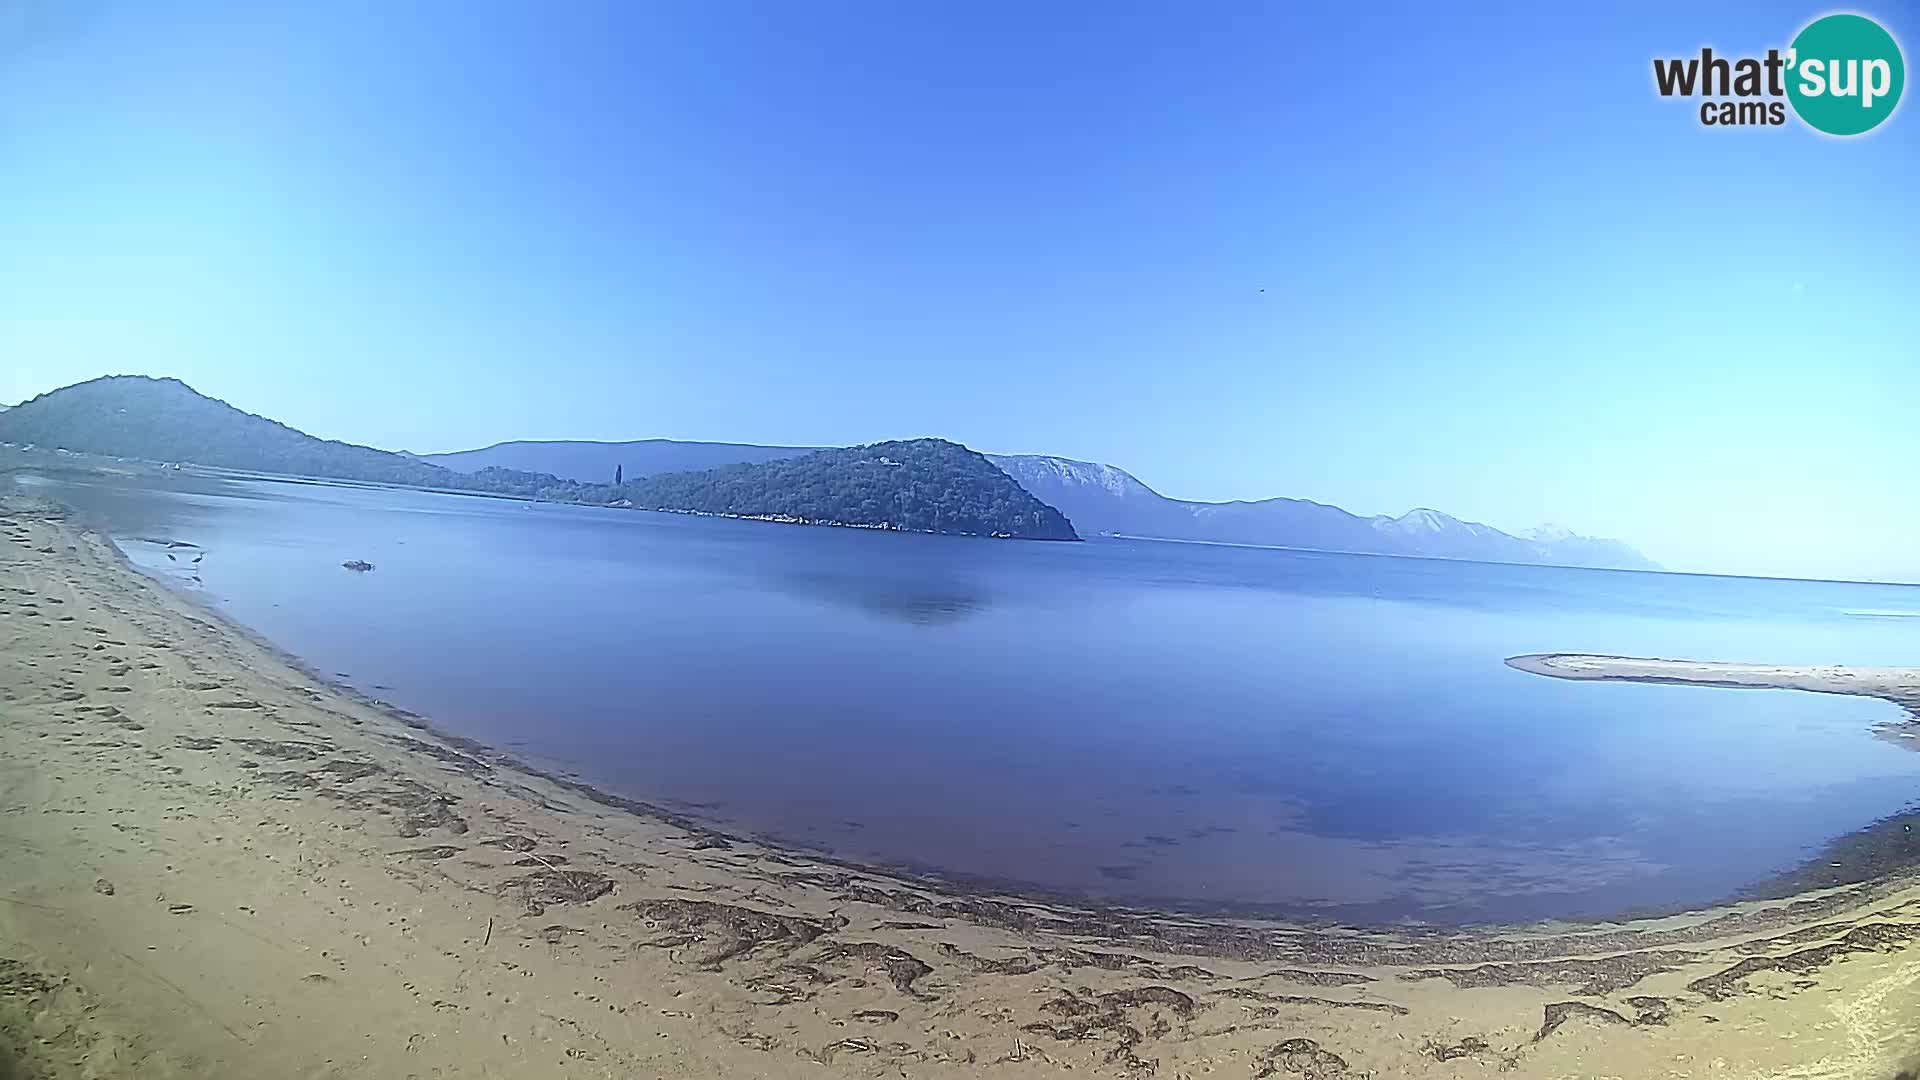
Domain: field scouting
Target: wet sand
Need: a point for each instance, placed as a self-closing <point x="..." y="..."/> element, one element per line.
<point x="214" y="864"/>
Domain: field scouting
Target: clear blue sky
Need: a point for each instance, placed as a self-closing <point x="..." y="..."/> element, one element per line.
<point x="1501" y="277"/>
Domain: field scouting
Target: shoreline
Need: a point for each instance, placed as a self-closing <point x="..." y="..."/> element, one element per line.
<point x="991" y="893"/>
<point x="296" y="874"/>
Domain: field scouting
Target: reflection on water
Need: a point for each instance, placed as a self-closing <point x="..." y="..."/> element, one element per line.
<point x="920" y="603"/>
<point x="1178" y="723"/>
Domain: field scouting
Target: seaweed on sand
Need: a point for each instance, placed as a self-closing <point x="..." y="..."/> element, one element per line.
<point x="543" y="887"/>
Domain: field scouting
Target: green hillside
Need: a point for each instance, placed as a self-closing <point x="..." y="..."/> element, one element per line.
<point x="919" y="485"/>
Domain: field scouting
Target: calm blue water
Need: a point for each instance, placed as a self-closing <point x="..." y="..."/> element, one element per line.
<point x="1130" y="720"/>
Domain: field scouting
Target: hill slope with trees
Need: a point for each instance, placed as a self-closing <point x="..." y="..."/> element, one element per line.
<point x="918" y="485"/>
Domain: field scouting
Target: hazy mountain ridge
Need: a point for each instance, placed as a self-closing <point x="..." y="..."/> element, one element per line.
<point x="166" y="420"/>
<point x="950" y="488"/>
<point x="1098" y="498"/>
<point x="1105" y="499"/>
<point x="594" y="462"/>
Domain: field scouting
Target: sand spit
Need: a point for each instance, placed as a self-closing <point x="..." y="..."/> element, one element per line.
<point x="212" y="865"/>
<point x="1898" y="685"/>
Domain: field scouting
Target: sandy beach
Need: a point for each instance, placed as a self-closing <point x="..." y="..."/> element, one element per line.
<point x="214" y="864"/>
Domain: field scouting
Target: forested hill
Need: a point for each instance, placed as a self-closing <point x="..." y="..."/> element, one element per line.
<point x="918" y="485"/>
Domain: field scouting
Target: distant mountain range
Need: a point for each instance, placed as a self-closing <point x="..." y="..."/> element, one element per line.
<point x="594" y="462"/>
<point x="920" y="485"/>
<point x="1103" y="499"/>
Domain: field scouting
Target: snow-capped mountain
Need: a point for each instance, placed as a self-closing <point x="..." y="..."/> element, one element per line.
<point x="1060" y="473"/>
<point x="1105" y="499"/>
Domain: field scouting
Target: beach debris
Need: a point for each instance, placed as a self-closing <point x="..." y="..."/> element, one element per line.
<point x="288" y="778"/>
<point x="1303" y="1057"/>
<point x="1004" y="965"/>
<point x="1466" y="1047"/>
<point x="901" y="967"/>
<point x="1866" y="937"/>
<point x="1652" y="1010"/>
<point x="1305" y="999"/>
<point x="103" y="886"/>
<point x="1559" y="1012"/>
<point x="544" y="887"/>
<point x="1105" y="1016"/>
<point x="358" y="566"/>
<point x="464" y="762"/>
<point x="727" y="931"/>
<point x="1588" y="976"/>
<point x="1319" y="978"/>
<point x="418" y="807"/>
<point x="347" y="770"/>
<point x="285" y="751"/>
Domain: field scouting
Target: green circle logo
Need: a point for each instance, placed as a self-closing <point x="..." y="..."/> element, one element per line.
<point x="1845" y="74"/>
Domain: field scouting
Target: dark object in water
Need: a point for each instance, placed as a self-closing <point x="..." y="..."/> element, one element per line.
<point x="358" y="566"/>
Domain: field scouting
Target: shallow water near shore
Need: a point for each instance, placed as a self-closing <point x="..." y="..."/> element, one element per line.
<point x="1246" y="729"/>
